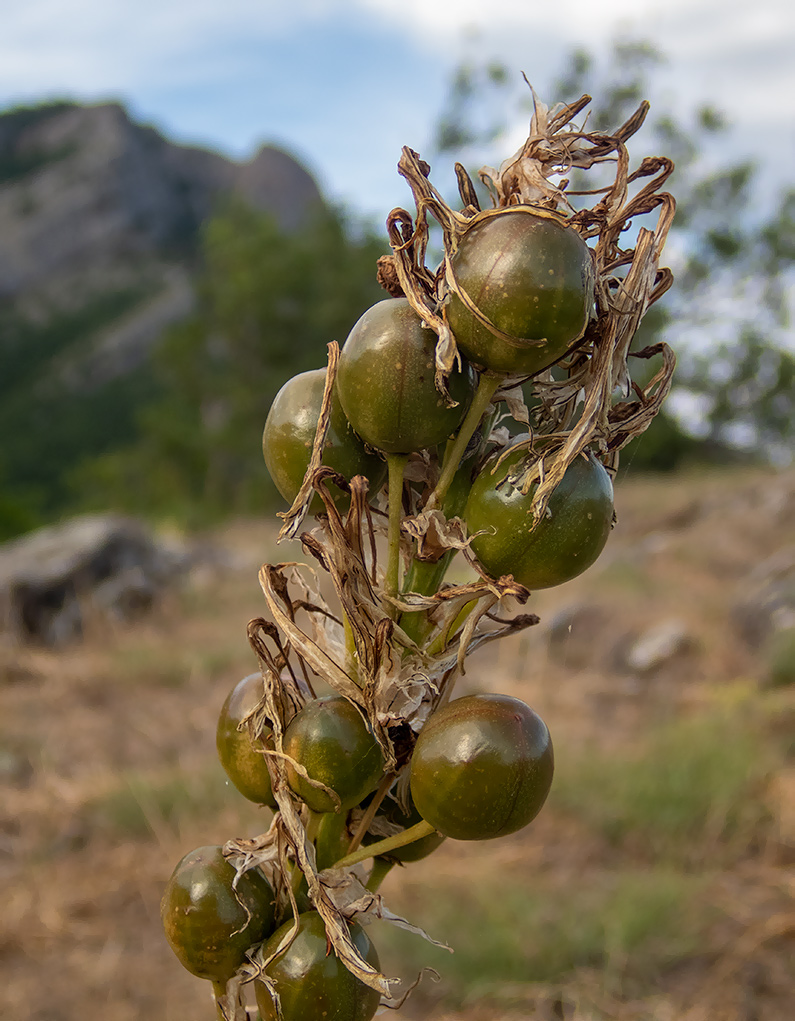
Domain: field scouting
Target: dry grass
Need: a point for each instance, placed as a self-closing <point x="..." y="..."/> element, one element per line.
<point x="653" y="886"/>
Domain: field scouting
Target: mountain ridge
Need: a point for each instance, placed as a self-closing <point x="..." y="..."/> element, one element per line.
<point x="100" y="231"/>
<point x="93" y="186"/>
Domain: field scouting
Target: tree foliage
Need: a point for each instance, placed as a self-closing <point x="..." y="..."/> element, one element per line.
<point x="49" y="422"/>
<point x="268" y="304"/>
<point x="728" y="315"/>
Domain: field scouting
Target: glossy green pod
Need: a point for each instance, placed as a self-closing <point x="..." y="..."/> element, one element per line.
<point x="208" y="924"/>
<point x="311" y="981"/>
<point x="246" y="767"/>
<point x="532" y="276"/>
<point x="567" y="540"/>
<point x="289" y="434"/>
<point x="386" y="381"/>
<point x="482" y="767"/>
<point x="330" y="738"/>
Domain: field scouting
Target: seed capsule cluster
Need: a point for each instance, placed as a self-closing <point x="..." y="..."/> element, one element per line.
<point x="400" y="450"/>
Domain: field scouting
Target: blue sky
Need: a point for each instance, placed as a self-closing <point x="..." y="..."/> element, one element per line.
<point x="343" y="84"/>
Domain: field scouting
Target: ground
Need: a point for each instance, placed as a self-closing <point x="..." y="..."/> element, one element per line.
<point x="656" y="883"/>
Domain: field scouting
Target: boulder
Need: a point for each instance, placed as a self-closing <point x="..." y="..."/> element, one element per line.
<point x="766" y="600"/>
<point x="653" y="648"/>
<point x="52" y="579"/>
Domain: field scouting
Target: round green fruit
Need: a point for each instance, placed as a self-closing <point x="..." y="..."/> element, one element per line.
<point x="246" y="767"/>
<point x="564" y="543"/>
<point x="532" y="276"/>
<point x="311" y="981"/>
<point x="482" y="767"/>
<point x="330" y="738"/>
<point x="386" y="381"/>
<point x="209" y="925"/>
<point x="290" y="433"/>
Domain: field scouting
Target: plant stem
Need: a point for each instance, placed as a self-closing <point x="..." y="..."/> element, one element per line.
<point x="372" y="808"/>
<point x="219" y="990"/>
<point x="381" y="869"/>
<point x="296" y="879"/>
<point x="423" y="578"/>
<point x="329" y="839"/>
<point x="350" y="650"/>
<point x="422" y="829"/>
<point x="313" y="822"/>
<point x="487" y="387"/>
<point x="396" y="463"/>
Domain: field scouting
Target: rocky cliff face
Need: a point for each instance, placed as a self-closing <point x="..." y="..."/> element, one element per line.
<point x="88" y="198"/>
<point x="99" y="222"/>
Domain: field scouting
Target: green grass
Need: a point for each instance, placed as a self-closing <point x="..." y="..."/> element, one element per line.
<point x="689" y="801"/>
<point x="629" y="927"/>
<point x="152" y="665"/>
<point x="625" y="575"/>
<point x="166" y="666"/>
<point x="142" y="806"/>
<point x="693" y="796"/>
<point x="779" y="656"/>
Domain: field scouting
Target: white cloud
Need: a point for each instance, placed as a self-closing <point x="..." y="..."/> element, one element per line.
<point x="91" y="44"/>
<point x="585" y="20"/>
<point x="196" y="65"/>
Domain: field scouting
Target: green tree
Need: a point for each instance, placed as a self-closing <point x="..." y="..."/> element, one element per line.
<point x="728" y="315"/>
<point x="48" y="416"/>
<point x="268" y="304"/>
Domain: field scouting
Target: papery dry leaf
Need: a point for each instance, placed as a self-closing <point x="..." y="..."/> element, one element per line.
<point x="435" y="535"/>
<point x="364" y="650"/>
<point x="317" y="657"/>
<point x="513" y="396"/>
<point x="405" y="700"/>
<point x="354" y="900"/>
<point x="231" y="1006"/>
<point x="296" y="514"/>
<point x="578" y="410"/>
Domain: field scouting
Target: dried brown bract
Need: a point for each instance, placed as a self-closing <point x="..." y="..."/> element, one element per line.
<point x="396" y="652"/>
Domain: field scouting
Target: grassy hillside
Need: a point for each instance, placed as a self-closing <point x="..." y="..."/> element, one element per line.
<point x="654" y="885"/>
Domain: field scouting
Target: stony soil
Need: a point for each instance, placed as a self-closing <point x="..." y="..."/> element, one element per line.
<point x="92" y="735"/>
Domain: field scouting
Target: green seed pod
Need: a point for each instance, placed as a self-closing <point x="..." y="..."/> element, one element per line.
<point x="290" y="433"/>
<point x="331" y="740"/>
<point x="531" y="275"/>
<point x="246" y="767"/>
<point x="567" y="540"/>
<point x="482" y="767"/>
<point x="311" y="981"/>
<point x="208" y="924"/>
<point x="386" y="381"/>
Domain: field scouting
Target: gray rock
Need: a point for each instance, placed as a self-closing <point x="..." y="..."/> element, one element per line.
<point x="51" y="579"/>
<point x="657" y="646"/>
<point x="94" y="205"/>
<point x="766" y="603"/>
<point x="95" y="193"/>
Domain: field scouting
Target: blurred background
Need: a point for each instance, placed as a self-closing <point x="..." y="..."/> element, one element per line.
<point x="192" y="200"/>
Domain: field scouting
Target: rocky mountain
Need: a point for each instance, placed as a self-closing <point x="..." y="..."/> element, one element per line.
<point x="99" y="235"/>
<point x="91" y="203"/>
